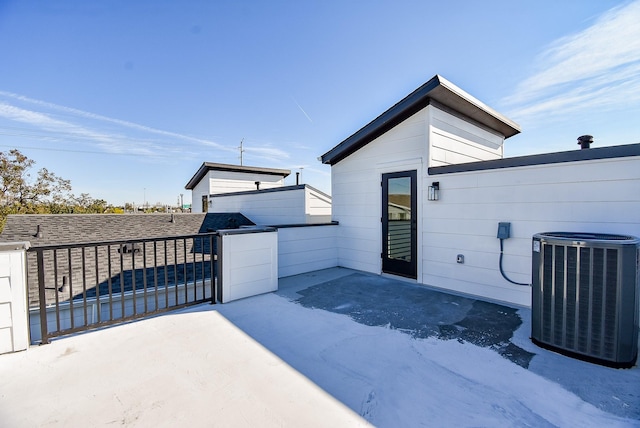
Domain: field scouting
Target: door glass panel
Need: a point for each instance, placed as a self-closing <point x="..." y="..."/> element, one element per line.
<point x="399" y="219"/>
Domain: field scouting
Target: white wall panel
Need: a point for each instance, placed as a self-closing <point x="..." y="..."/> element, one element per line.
<point x="305" y="249"/>
<point x="248" y="264"/>
<point x="14" y="333"/>
<point x="290" y="206"/>
<point x="201" y="189"/>
<point x="229" y="181"/>
<point x="589" y="196"/>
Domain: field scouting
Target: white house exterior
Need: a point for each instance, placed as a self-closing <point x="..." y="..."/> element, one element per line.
<point x="214" y="178"/>
<point x="439" y="136"/>
<point x="298" y="204"/>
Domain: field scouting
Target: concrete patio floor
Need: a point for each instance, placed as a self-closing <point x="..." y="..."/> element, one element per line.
<point x="322" y="351"/>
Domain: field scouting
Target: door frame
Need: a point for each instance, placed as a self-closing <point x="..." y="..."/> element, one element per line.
<point x="395" y="266"/>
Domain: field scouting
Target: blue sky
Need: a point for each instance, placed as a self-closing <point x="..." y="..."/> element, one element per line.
<point x="127" y="99"/>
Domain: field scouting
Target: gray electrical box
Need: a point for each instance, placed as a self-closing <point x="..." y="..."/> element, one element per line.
<point x="504" y="230"/>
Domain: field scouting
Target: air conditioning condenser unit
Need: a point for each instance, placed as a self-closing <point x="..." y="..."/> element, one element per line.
<point x="585" y="297"/>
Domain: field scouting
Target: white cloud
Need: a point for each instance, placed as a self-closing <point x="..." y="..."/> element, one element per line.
<point x="73" y="127"/>
<point x="597" y="67"/>
<point x="46" y="122"/>
<point x="122" y="123"/>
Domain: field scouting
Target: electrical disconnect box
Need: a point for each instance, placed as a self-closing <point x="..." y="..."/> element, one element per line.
<point x="504" y="230"/>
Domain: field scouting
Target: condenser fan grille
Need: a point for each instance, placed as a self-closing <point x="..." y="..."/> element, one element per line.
<point x="580" y="292"/>
<point x="584" y="299"/>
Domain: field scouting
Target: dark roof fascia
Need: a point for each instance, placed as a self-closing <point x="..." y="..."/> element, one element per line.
<point x="289" y="226"/>
<point x="210" y="166"/>
<point x="610" y="152"/>
<point x="270" y="190"/>
<point x="438" y="89"/>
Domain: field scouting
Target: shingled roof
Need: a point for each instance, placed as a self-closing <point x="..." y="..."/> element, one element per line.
<point x="82" y="228"/>
<point x="61" y="229"/>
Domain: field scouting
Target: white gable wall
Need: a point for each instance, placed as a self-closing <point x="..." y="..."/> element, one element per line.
<point x="355" y="180"/>
<point x="453" y="140"/>
<point x="356" y="190"/>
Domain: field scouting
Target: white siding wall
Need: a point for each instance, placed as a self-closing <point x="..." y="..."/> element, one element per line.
<point x="270" y="208"/>
<point x="248" y="264"/>
<point x="593" y="196"/>
<point x="228" y="181"/>
<point x="356" y="192"/>
<point x="453" y="140"/>
<point x="305" y="249"/>
<point x="14" y="334"/>
<point x="589" y="196"/>
<point x="200" y="190"/>
<point x="290" y="206"/>
<point x="317" y="207"/>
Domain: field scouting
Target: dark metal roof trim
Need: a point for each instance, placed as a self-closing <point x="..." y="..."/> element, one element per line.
<point x="438" y="89"/>
<point x="210" y="166"/>
<point x="542" y="159"/>
<point x="289" y="226"/>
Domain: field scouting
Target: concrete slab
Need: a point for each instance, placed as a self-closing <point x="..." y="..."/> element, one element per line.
<point x="419" y="311"/>
<point x="186" y="368"/>
<point x="423" y="312"/>
<point x="297" y="358"/>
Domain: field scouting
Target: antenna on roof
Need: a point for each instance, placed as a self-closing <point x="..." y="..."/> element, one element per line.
<point x="241" y="151"/>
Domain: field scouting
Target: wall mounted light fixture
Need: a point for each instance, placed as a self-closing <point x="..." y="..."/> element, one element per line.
<point x="434" y="191"/>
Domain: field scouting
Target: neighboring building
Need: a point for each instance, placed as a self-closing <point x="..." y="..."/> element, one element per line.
<point x="298" y="204"/>
<point x="441" y="140"/>
<point x="258" y="193"/>
<point x="215" y="178"/>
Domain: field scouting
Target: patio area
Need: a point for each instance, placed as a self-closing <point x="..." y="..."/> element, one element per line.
<point x="335" y="347"/>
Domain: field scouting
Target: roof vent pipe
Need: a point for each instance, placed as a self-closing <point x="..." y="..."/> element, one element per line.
<point x="585" y="141"/>
<point x="297" y="178"/>
<point x="257" y="185"/>
<point x="173" y="219"/>
<point x="38" y="232"/>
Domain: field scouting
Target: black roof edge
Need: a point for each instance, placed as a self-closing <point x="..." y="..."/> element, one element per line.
<point x="289" y="226"/>
<point x="208" y="166"/>
<point x="449" y="95"/>
<point x="609" y="152"/>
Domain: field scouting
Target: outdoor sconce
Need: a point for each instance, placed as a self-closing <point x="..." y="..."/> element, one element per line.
<point x="434" y="191"/>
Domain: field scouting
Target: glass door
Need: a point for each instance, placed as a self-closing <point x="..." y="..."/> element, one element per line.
<point x="399" y="223"/>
